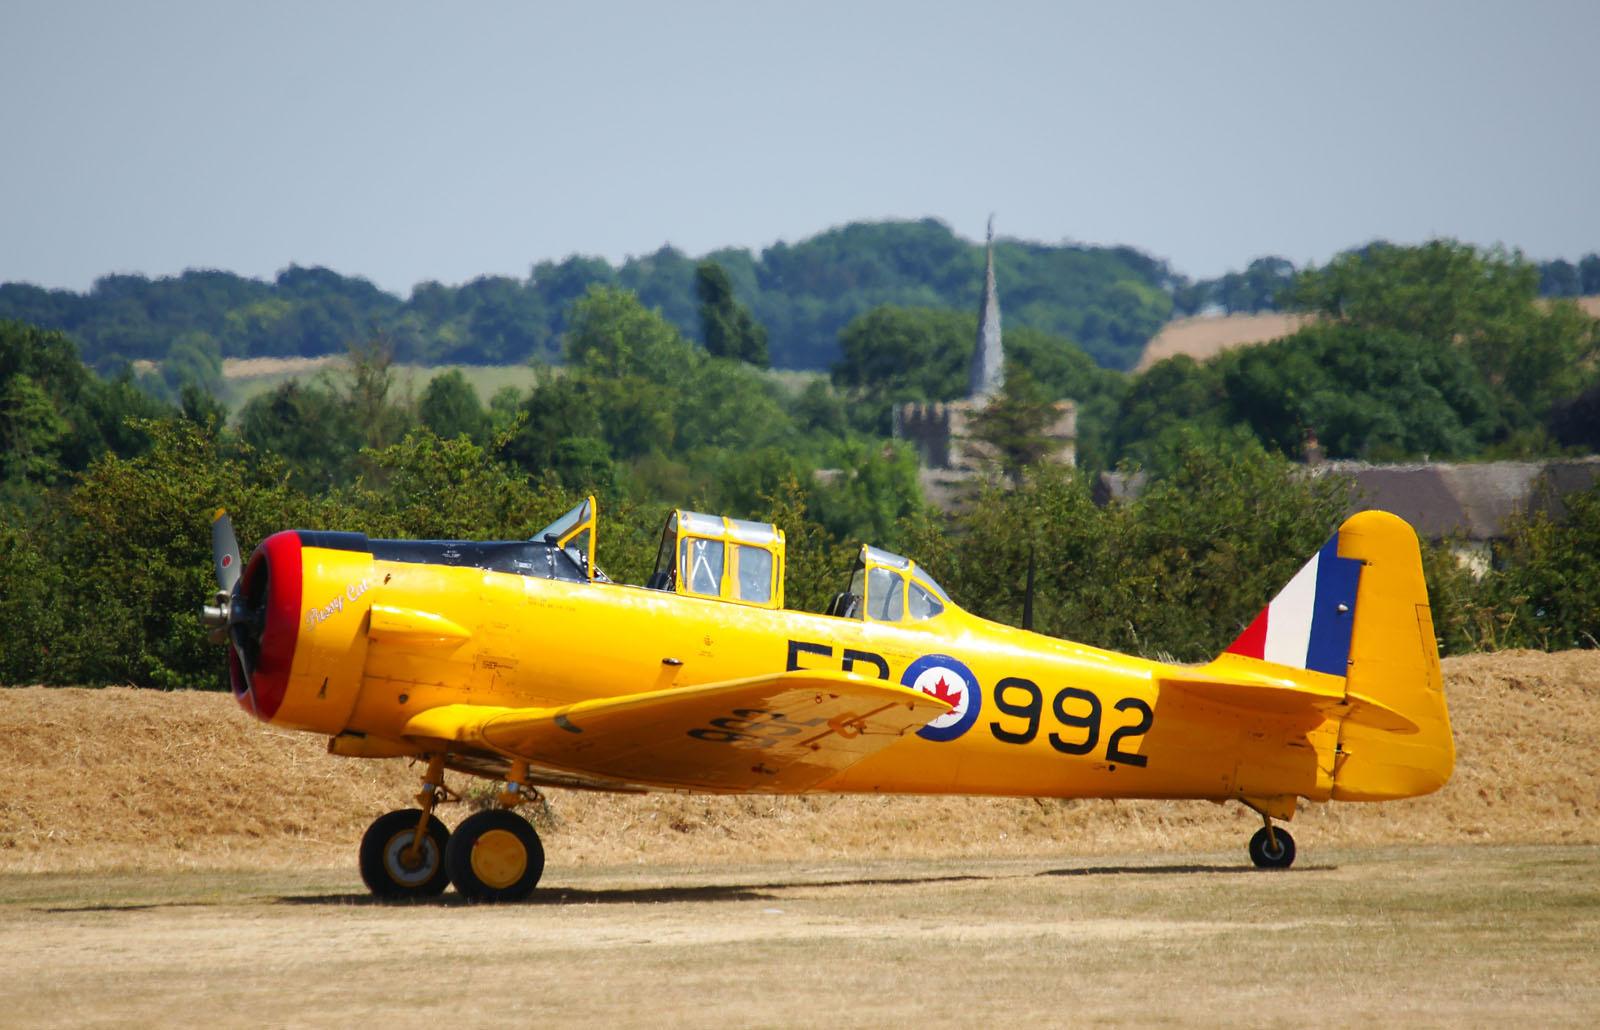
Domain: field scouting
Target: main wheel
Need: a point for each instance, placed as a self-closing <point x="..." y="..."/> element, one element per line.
<point x="387" y="864"/>
<point x="1266" y="855"/>
<point x="494" y="856"/>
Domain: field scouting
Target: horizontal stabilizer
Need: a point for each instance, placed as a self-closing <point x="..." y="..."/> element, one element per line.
<point x="1267" y="687"/>
<point x="778" y="733"/>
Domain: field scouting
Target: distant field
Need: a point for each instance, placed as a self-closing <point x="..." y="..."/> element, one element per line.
<point x="1205" y="336"/>
<point x="247" y="377"/>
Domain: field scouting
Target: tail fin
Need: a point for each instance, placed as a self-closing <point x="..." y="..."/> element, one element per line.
<point x="1309" y="625"/>
<point x="1350" y="637"/>
<point x="1394" y="662"/>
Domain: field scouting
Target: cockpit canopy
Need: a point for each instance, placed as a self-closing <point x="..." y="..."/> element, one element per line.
<point x="888" y="588"/>
<point x="728" y="559"/>
<point x="573" y="535"/>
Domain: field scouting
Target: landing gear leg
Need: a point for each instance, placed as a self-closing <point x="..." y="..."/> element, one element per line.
<point x="496" y="855"/>
<point x="1272" y="847"/>
<point x="403" y="852"/>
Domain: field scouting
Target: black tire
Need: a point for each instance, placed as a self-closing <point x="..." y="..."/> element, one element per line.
<point x="1265" y="856"/>
<point x="383" y="851"/>
<point x="494" y="856"/>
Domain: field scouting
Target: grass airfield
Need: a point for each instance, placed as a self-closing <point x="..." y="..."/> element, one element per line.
<point x="206" y="876"/>
<point x="1406" y="935"/>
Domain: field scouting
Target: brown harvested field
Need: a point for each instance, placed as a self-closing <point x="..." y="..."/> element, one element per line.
<point x="132" y="779"/>
<point x="1205" y="336"/>
<point x="251" y="368"/>
<point x="166" y="861"/>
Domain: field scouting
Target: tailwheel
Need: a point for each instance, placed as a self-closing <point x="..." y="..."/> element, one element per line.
<point x="494" y="856"/>
<point x="1272" y="848"/>
<point x="392" y="864"/>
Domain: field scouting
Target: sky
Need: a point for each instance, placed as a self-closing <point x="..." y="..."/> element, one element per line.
<point x="407" y="142"/>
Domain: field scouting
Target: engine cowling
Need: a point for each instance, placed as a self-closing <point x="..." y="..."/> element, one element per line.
<point x="299" y="634"/>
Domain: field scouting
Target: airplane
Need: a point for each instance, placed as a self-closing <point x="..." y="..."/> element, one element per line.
<point x="522" y="662"/>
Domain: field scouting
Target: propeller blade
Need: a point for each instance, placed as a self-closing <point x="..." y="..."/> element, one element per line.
<point x="224" y="550"/>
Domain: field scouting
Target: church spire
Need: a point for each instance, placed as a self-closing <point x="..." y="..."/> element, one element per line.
<point x="987" y="373"/>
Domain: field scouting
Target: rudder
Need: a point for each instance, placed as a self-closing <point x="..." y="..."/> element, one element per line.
<point x="1394" y="665"/>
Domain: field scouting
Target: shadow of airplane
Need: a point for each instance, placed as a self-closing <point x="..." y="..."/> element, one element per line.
<point x="766" y="891"/>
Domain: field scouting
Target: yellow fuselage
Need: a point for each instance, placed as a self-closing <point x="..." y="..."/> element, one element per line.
<point x="379" y="642"/>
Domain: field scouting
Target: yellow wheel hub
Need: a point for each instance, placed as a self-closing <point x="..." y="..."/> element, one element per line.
<point x="499" y="859"/>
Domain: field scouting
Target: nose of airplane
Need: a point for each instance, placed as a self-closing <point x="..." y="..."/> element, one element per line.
<point x="264" y="625"/>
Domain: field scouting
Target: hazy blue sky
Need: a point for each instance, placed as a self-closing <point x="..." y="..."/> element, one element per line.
<point x="406" y="142"/>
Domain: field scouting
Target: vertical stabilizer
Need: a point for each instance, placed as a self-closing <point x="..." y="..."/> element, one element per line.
<point x="1310" y="623"/>
<point x="1394" y="665"/>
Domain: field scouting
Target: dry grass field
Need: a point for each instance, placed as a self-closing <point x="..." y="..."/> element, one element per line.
<point x="143" y="780"/>
<point x="1204" y="336"/>
<point x="245" y="378"/>
<point x="165" y="860"/>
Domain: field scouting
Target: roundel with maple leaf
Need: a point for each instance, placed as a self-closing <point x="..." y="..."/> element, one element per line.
<point x="943" y="677"/>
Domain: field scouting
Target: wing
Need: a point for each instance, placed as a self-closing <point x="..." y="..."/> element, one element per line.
<point x="771" y="734"/>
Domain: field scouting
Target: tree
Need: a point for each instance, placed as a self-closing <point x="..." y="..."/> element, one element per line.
<point x="505" y="322"/>
<point x="1258" y="288"/>
<point x="1442" y="290"/>
<point x="31" y="430"/>
<point x="195" y="358"/>
<point x="365" y="381"/>
<point x="87" y="415"/>
<point x="1548" y="577"/>
<point x="308" y="427"/>
<point x="730" y="331"/>
<point x="892" y="355"/>
<point x="1445" y="293"/>
<point x="1558" y="279"/>
<point x="1173" y="393"/>
<point x="143" y="524"/>
<point x="1368" y="393"/>
<point x="31" y="586"/>
<point x="612" y="334"/>
<point x="449" y="407"/>
<point x="802" y="294"/>
<point x="874" y="494"/>
<point x="1589" y="274"/>
<point x="1013" y="425"/>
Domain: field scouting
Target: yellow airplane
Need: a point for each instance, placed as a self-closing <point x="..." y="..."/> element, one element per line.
<point x="520" y="661"/>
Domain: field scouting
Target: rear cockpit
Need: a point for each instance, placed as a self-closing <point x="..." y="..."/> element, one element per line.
<point x="888" y="588"/>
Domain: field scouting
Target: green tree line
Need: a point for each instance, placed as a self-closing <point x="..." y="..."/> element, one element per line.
<point x="105" y="585"/>
<point x="1111" y="300"/>
<point x="106" y="492"/>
